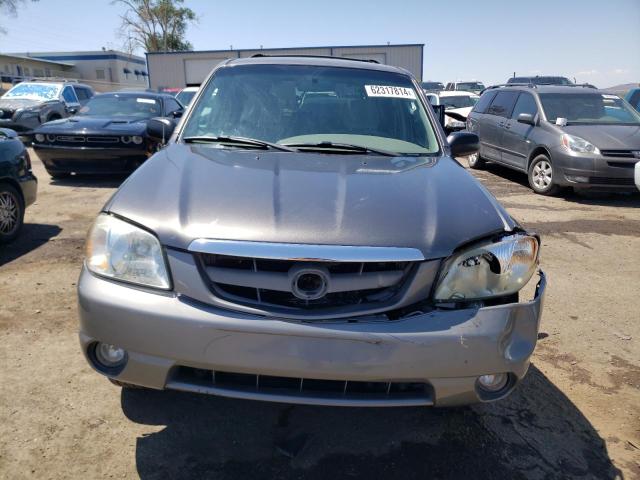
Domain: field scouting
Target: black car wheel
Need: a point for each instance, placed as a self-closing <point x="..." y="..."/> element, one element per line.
<point x="476" y="161"/>
<point x="11" y="213"/>
<point x="541" y="176"/>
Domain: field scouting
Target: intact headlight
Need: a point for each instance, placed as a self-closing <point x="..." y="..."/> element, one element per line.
<point x="578" y="145"/>
<point x="489" y="270"/>
<point x="119" y="250"/>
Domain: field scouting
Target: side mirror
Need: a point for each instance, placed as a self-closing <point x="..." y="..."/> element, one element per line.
<point x="160" y="129"/>
<point x="526" y="118"/>
<point x="463" y="144"/>
<point x="176" y="113"/>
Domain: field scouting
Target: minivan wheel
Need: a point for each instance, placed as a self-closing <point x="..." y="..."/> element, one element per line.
<point x="541" y="176"/>
<point x="11" y="213"/>
<point x="475" y="161"/>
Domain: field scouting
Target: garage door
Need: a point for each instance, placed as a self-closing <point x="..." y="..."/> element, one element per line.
<point x="378" y="57"/>
<point x="197" y="69"/>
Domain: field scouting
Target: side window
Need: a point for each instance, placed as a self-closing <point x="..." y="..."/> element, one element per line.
<point x="485" y="100"/>
<point x="525" y="104"/>
<point x="171" y="105"/>
<point x="635" y="100"/>
<point x="503" y="104"/>
<point x="449" y="86"/>
<point x="82" y="93"/>
<point x="69" y="95"/>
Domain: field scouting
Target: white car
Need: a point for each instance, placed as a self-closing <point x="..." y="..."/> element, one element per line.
<point x="637" y="175"/>
<point x="185" y="95"/>
<point x="457" y="106"/>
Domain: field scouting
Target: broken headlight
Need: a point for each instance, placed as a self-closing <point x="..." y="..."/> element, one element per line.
<point x="121" y="251"/>
<point x="489" y="270"/>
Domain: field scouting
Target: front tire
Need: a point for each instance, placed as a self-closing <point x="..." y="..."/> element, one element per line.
<point x="541" y="176"/>
<point x="11" y="213"/>
<point x="475" y="161"/>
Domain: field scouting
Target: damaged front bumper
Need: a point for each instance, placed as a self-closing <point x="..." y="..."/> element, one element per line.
<point x="176" y="343"/>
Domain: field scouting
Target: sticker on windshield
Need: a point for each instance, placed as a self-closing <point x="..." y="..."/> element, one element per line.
<point x="145" y="100"/>
<point x="610" y="97"/>
<point x="389" y="91"/>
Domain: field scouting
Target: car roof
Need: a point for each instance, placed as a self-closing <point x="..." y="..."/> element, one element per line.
<point x="190" y="89"/>
<point x="54" y="82"/>
<point x="547" y="89"/>
<point x="316" y="61"/>
<point x="457" y="93"/>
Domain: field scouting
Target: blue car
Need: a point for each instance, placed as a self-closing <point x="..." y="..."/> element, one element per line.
<point x="633" y="97"/>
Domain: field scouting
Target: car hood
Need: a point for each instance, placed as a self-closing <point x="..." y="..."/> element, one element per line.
<point x="608" y="137"/>
<point x="87" y="124"/>
<point x="16" y="103"/>
<point x="186" y="192"/>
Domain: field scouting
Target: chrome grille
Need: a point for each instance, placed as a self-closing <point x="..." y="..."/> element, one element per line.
<point x="269" y="282"/>
<point x="311" y="280"/>
<point x="617" y="153"/>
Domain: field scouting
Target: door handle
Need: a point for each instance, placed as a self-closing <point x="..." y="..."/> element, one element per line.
<point x="507" y="126"/>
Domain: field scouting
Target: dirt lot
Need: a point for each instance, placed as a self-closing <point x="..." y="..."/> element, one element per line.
<point x="577" y="414"/>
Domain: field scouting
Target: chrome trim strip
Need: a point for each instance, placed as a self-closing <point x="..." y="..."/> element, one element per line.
<point x="305" y="252"/>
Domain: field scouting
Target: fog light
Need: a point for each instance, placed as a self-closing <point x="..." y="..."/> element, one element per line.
<point x="109" y="355"/>
<point x="39" y="137"/>
<point x="494" y="382"/>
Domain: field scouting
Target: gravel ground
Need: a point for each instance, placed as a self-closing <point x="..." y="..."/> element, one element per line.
<point x="577" y="414"/>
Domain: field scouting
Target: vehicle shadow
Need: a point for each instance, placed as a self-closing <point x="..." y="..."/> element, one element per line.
<point x="535" y="433"/>
<point x="91" y="181"/>
<point x="520" y="184"/>
<point x="32" y="236"/>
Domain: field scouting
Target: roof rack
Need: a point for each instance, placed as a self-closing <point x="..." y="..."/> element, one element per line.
<point x="534" y="85"/>
<point x="258" y="55"/>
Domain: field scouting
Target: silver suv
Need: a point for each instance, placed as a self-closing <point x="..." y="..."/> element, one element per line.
<point x="306" y="236"/>
<point x="28" y="104"/>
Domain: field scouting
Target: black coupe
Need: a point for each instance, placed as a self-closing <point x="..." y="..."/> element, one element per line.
<point x="107" y="136"/>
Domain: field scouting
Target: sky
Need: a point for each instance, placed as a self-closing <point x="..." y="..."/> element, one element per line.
<point x="594" y="41"/>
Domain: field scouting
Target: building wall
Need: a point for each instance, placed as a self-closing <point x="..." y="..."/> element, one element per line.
<point x="179" y="69"/>
<point x="103" y="70"/>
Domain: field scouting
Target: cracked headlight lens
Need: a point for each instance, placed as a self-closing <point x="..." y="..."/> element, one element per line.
<point x="121" y="251"/>
<point x="489" y="270"/>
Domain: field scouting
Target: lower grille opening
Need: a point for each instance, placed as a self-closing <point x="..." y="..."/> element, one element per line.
<point x="611" y="181"/>
<point x="302" y="386"/>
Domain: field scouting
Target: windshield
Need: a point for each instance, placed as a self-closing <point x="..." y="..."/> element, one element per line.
<point x="458" y="101"/>
<point x="312" y="104"/>
<point x="185" y="97"/>
<point x="121" y="105"/>
<point x="591" y="108"/>
<point x="36" y="91"/>
<point x="470" y="86"/>
<point x="541" y="80"/>
<point x="432" y="86"/>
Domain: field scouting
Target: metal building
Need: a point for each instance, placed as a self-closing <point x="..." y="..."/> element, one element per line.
<point x="181" y="69"/>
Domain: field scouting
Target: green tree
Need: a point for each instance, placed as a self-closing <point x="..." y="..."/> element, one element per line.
<point x="156" y="25"/>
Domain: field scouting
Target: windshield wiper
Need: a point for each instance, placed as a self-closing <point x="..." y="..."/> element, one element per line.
<point x="345" y="147"/>
<point x="241" y="141"/>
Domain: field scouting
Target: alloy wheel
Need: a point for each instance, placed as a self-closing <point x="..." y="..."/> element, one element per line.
<point x="9" y="213"/>
<point x="542" y="174"/>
